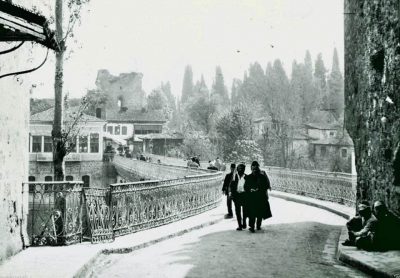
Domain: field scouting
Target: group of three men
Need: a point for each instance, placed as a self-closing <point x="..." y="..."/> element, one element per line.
<point x="249" y="194"/>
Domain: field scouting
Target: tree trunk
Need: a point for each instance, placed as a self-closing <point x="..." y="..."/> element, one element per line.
<point x="58" y="144"/>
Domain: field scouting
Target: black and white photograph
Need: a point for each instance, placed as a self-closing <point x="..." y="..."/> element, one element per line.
<point x="199" y="138"/>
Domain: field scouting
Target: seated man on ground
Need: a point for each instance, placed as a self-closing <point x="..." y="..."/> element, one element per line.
<point x="357" y="223"/>
<point x="387" y="232"/>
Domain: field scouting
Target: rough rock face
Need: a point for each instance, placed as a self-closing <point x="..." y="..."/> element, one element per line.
<point x="372" y="96"/>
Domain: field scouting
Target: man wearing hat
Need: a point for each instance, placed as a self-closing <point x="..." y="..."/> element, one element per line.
<point x="360" y="225"/>
<point x="387" y="230"/>
<point x="256" y="186"/>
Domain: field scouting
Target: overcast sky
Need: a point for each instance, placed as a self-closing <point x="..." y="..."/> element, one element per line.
<point x="158" y="38"/>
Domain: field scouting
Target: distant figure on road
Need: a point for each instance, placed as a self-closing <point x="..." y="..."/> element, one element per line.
<point x="192" y="163"/>
<point x="358" y="223"/>
<point x="256" y="187"/>
<point x="211" y="166"/>
<point x="226" y="189"/>
<point x="197" y="159"/>
<point x="239" y="196"/>
<point x="218" y="163"/>
<point x="142" y="158"/>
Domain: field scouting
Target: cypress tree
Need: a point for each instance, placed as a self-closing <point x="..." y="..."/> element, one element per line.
<point x="187" y="87"/>
<point x="335" y="87"/>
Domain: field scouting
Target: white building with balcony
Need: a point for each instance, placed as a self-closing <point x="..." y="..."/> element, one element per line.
<point x="84" y="162"/>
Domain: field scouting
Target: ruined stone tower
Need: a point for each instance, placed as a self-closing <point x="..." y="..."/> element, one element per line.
<point x="124" y="91"/>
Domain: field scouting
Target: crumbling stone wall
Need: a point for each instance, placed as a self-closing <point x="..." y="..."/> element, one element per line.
<point x="372" y="96"/>
<point x="126" y="87"/>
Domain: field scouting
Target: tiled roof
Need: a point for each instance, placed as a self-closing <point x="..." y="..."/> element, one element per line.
<point x="69" y="115"/>
<point x="135" y="116"/>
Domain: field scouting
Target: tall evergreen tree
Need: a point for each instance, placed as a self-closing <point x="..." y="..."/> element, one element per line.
<point x="309" y="96"/>
<point x="320" y="80"/>
<point x="187" y="87"/>
<point x="219" y="93"/>
<point x="201" y="89"/>
<point x="166" y="89"/>
<point x="335" y="87"/>
<point x="235" y="91"/>
<point x="320" y="72"/>
<point x="296" y="89"/>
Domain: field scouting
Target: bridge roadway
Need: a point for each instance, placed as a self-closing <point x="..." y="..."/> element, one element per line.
<point x="299" y="241"/>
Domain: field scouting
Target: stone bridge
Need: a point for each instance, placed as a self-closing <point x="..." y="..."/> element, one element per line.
<point x="67" y="213"/>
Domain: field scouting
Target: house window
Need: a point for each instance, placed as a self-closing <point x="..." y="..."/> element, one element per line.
<point x="344" y="153"/>
<point x="69" y="178"/>
<point x="86" y="181"/>
<point x="31" y="178"/>
<point x="36" y="144"/>
<point x="83" y="144"/>
<point x="110" y="129"/>
<point x="117" y="130"/>
<point x="124" y="130"/>
<point x="72" y="144"/>
<point x="331" y="134"/>
<point x="48" y="178"/>
<point x="94" y="142"/>
<point x="98" y="113"/>
<point x="48" y="144"/>
<point x="323" y="151"/>
<point x="146" y="129"/>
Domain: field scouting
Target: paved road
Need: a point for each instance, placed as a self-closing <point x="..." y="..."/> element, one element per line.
<point x="299" y="241"/>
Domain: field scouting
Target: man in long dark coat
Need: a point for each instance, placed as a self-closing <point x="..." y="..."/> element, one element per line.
<point x="256" y="186"/>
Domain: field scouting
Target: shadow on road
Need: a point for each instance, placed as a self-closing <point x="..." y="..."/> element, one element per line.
<point x="279" y="250"/>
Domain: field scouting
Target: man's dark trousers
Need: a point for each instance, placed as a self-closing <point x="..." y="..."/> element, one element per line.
<point x="229" y="205"/>
<point x="239" y="200"/>
<point x="252" y="221"/>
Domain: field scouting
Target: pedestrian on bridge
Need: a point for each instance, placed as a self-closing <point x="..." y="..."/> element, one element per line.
<point x="256" y="186"/>
<point x="239" y="196"/>
<point x="226" y="190"/>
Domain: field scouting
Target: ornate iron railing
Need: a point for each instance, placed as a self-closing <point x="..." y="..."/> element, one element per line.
<point x="98" y="215"/>
<point x="142" y="205"/>
<point x="334" y="187"/>
<point x="54" y="212"/>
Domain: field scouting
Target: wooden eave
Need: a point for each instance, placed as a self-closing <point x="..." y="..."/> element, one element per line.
<point x="18" y="24"/>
